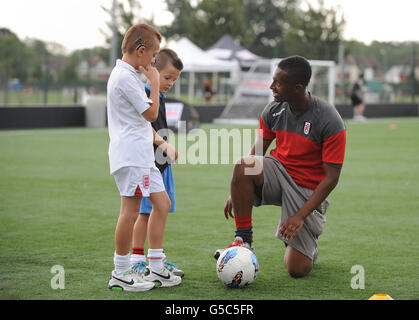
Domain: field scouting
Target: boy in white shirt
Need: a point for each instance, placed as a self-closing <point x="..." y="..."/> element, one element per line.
<point x="131" y="158"/>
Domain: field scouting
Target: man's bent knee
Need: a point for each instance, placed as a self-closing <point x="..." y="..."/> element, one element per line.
<point x="299" y="272"/>
<point x="297" y="264"/>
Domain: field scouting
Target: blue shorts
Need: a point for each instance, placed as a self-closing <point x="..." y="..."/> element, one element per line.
<point x="169" y="184"/>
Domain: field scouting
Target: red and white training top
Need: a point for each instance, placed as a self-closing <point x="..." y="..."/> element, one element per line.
<point x="307" y="141"/>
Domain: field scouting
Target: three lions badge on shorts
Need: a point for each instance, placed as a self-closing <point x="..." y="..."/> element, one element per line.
<point x="146" y="181"/>
<point x="307" y="126"/>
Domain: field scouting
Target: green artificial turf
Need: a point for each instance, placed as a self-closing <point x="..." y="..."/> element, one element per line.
<point x="59" y="206"/>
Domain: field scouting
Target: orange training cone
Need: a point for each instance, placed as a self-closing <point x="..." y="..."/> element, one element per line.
<point x="380" y="296"/>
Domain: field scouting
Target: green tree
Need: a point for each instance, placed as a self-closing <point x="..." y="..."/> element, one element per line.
<point x="37" y="61"/>
<point x="208" y="21"/>
<point x="256" y="24"/>
<point x="267" y="20"/>
<point x="69" y="75"/>
<point x="13" y="56"/>
<point x="12" y="60"/>
<point x="314" y="33"/>
<point x="215" y="18"/>
<point x="184" y="15"/>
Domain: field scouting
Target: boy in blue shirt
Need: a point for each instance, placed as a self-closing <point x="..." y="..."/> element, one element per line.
<point x="169" y="66"/>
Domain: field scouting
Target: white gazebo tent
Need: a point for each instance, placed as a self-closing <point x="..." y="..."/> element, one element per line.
<point x="196" y="60"/>
<point x="228" y="49"/>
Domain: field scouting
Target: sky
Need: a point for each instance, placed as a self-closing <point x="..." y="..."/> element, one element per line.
<point x="77" y="24"/>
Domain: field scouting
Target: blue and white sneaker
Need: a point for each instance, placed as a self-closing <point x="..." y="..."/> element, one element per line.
<point x="174" y="268"/>
<point x="161" y="279"/>
<point x="139" y="268"/>
<point x="129" y="281"/>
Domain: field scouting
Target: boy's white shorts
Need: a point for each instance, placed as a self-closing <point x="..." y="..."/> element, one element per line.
<point x="139" y="182"/>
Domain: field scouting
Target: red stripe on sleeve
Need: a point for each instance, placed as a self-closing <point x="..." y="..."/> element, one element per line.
<point x="264" y="131"/>
<point x="333" y="150"/>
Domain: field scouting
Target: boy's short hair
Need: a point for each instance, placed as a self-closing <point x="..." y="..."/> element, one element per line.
<point x="167" y="55"/>
<point x="298" y="68"/>
<point x="140" y="34"/>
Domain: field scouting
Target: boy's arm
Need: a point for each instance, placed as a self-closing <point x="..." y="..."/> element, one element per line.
<point x="157" y="140"/>
<point x="167" y="148"/>
<point x="152" y="113"/>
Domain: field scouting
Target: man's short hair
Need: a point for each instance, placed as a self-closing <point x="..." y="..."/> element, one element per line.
<point x="140" y="34"/>
<point x="298" y="68"/>
<point x="167" y="55"/>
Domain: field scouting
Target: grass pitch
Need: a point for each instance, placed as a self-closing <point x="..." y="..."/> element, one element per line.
<point x="59" y="206"/>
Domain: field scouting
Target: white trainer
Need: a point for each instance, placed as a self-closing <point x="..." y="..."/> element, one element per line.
<point x="129" y="281"/>
<point x="161" y="279"/>
<point x="174" y="268"/>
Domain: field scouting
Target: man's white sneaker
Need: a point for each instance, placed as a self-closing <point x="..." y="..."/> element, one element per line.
<point x="360" y="118"/>
<point x="161" y="279"/>
<point x="129" y="281"/>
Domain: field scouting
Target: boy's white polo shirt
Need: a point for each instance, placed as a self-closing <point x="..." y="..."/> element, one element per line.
<point x="131" y="135"/>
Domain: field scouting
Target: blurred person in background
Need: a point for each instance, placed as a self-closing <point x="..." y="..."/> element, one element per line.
<point x="357" y="98"/>
<point x="208" y="89"/>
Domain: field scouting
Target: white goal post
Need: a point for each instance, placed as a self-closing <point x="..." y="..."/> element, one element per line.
<point x="253" y="93"/>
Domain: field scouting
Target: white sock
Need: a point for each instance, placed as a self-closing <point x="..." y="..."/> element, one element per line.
<point x="155" y="259"/>
<point x="122" y="263"/>
<point x="137" y="258"/>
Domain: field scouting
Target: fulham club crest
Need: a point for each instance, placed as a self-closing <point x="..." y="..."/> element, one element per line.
<point x="307" y="126"/>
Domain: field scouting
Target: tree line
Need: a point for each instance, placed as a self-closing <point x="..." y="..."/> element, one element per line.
<point x="268" y="28"/>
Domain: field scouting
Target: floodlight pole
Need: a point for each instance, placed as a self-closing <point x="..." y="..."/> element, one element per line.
<point x="46" y="79"/>
<point x="114" y="40"/>
<point x="413" y="73"/>
<point x="341" y="71"/>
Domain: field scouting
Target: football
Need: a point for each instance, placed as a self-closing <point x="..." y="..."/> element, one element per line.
<point x="237" y="267"/>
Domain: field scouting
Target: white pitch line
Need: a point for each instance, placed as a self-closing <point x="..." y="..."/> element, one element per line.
<point x="40" y="132"/>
